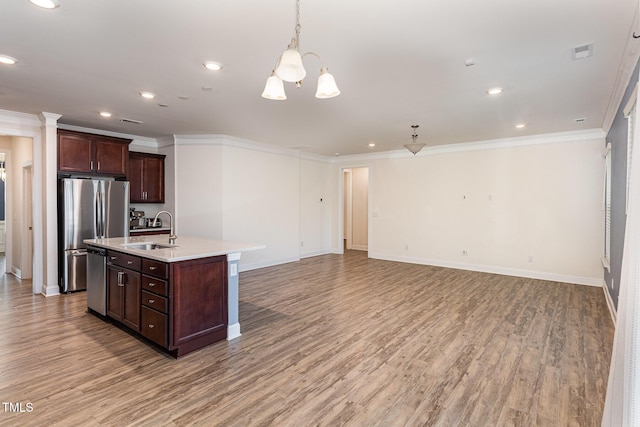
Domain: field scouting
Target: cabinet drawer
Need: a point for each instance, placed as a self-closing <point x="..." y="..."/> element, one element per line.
<point x="155" y="285"/>
<point x="155" y="301"/>
<point x="124" y="260"/>
<point x="155" y="268"/>
<point x="154" y="326"/>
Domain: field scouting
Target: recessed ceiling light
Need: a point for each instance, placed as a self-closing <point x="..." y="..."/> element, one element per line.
<point x="213" y="66"/>
<point x="46" y="4"/>
<point x="105" y="114"/>
<point x="207" y="88"/>
<point x="494" y="91"/>
<point x="8" y="60"/>
<point x="147" y="95"/>
<point x="183" y="98"/>
<point x="470" y="62"/>
<point x="372" y="144"/>
<point x="520" y="125"/>
<point x="163" y="105"/>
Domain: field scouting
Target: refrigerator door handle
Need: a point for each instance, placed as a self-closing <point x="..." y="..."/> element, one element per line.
<point x="102" y="224"/>
<point x="97" y="216"/>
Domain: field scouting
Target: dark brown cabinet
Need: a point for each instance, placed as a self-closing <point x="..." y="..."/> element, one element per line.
<point x="155" y="302"/>
<point x="146" y="175"/>
<point x="181" y="306"/>
<point x="123" y="289"/>
<point x="80" y="152"/>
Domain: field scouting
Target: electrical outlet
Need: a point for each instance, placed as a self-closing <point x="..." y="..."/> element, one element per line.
<point x="302" y="244"/>
<point x="465" y="253"/>
<point x="406" y="247"/>
<point x="530" y="258"/>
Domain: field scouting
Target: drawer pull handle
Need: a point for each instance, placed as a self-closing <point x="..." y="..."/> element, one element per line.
<point x="129" y="262"/>
<point x="152" y="268"/>
<point x="113" y="258"/>
<point x="152" y="326"/>
<point x="151" y="301"/>
<point x="151" y="284"/>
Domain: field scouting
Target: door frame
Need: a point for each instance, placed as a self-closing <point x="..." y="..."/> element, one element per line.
<point x="26" y="266"/>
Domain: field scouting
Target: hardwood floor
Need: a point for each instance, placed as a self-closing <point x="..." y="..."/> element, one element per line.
<point x="331" y="340"/>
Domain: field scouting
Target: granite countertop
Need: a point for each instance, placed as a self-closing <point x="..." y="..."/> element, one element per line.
<point x="184" y="248"/>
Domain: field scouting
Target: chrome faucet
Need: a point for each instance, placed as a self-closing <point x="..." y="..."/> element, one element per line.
<point x="172" y="233"/>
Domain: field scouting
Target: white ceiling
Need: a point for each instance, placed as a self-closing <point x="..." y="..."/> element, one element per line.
<point x="397" y="63"/>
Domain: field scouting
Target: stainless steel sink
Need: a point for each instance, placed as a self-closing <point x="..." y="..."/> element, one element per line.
<point x="148" y="246"/>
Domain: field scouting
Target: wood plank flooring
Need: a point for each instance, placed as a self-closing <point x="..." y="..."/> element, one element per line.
<point x="331" y="340"/>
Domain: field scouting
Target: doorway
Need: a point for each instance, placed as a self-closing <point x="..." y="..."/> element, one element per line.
<point x="355" y="214"/>
<point x="16" y="175"/>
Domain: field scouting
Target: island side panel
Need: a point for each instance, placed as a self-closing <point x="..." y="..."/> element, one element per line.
<point x="233" y="325"/>
<point x="199" y="303"/>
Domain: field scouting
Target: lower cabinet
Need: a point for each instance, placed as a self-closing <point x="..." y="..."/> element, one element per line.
<point x="123" y="296"/>
<point x="180" y="306"/>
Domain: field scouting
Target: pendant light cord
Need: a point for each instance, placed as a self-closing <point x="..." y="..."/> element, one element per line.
<point x="298" y="24"/>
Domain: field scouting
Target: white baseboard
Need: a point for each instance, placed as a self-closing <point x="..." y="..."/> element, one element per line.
<point x="263" y="264"/>
<point x="554" y="277"/>
<point x="612" y="307"/>
<point x="16" y="272"/>
<point x="50" y="290"/>
<point x="315" y="253"/>
<point x="233" y="331"/>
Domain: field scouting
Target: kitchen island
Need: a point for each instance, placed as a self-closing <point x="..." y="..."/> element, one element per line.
<point x="181" y="296"/>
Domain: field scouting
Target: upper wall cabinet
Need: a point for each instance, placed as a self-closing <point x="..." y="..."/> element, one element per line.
<point x="93" y="154"/>
<point x="146" y="177"/>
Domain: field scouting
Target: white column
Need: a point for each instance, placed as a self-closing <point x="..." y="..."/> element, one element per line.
<point x="47" y="172"/>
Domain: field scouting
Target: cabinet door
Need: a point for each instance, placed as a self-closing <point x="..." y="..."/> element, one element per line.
<point x="135" y="178"/>
<point x="123" y="296"/>
<point x="154" y="179"/>
<point x="115" y="293"/>
<point x="112" y="157"/>
<point x="75" y="153"/>
<point x="131" y="309"/>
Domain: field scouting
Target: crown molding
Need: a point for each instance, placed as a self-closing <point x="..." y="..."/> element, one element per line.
<point x="137" y="139"/>
<point x="19" y="119"/>
<point x="521" y="141"/>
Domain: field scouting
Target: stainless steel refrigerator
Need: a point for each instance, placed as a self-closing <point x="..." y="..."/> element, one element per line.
<point x="88" y="209"/>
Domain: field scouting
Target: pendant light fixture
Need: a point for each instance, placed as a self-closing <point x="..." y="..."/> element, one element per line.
<point x="289" y="68"/>
<point x="414" y="147"/>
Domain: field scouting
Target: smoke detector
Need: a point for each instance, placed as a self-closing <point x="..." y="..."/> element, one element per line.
<point x="581" y="52"/>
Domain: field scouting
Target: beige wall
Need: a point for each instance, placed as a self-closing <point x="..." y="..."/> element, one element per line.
<point x="531" y="210"/>
<point x="230" y="190"/>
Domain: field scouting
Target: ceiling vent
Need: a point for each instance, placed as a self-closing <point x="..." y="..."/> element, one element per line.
<point x="581" y="52"/>
<point x="137" y="122"/>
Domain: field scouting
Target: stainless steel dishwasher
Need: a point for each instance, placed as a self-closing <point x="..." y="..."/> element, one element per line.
<point x="97" y="279"/>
